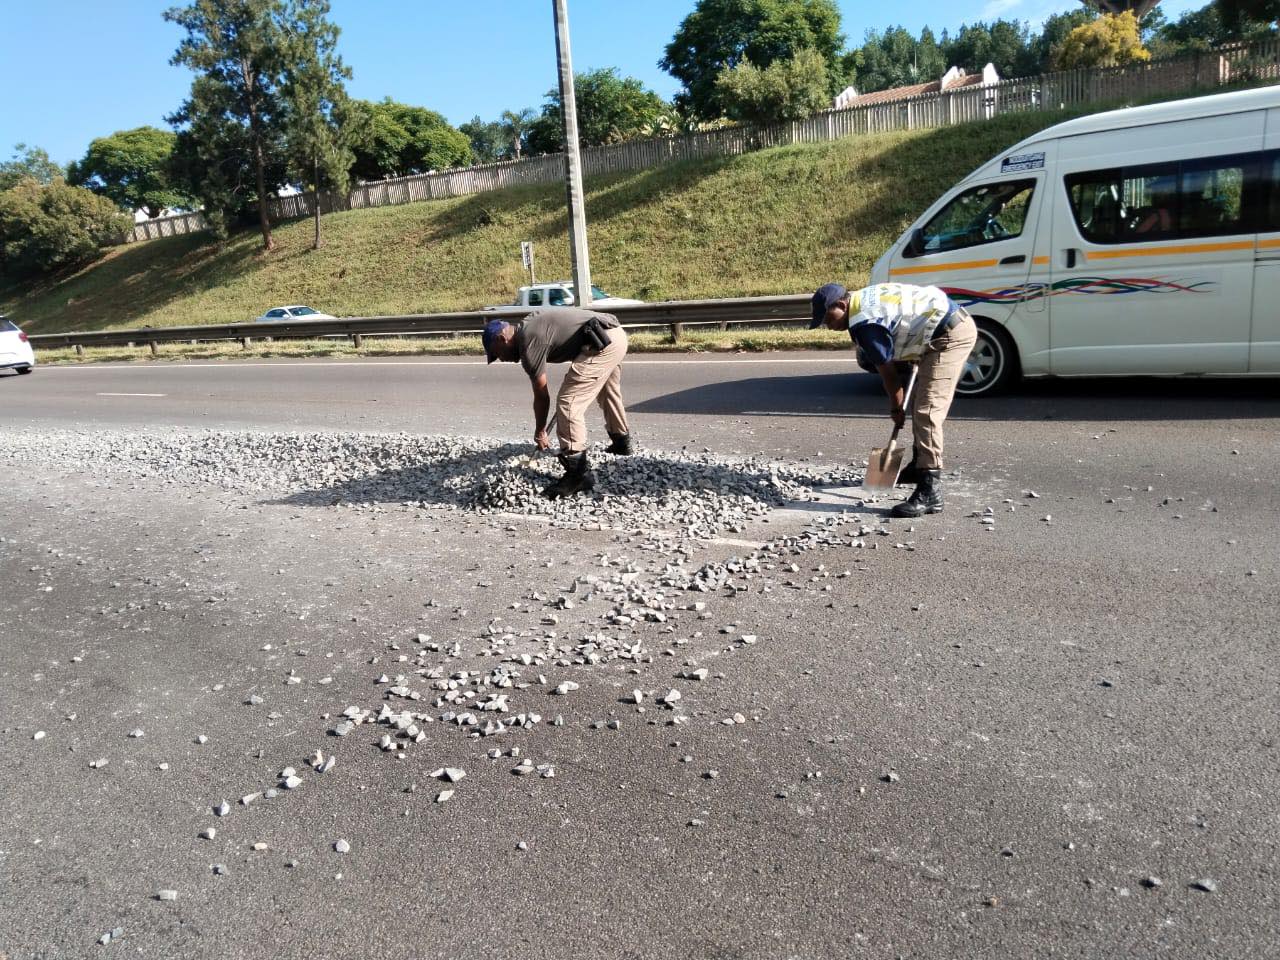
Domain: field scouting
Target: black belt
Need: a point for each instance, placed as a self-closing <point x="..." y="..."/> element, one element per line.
<point x="953" y="317"/>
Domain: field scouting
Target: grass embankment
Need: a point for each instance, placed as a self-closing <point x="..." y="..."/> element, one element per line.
<point x="776" y="221"/>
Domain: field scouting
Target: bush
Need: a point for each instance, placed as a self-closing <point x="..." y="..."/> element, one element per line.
<point x="47" y="226"/>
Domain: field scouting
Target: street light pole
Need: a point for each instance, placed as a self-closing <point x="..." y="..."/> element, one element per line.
<point x="573" y="162"/>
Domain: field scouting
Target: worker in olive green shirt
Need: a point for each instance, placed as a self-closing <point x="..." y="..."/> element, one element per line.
<point x="594" y="345"/>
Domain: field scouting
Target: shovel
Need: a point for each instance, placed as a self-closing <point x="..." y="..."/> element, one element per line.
<point x="885" y="463"/>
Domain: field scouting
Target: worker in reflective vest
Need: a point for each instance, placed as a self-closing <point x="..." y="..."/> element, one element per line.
<point x="892" y="323"/>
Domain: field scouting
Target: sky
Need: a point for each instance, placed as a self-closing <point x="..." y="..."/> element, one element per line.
<point x="81" y="69"/>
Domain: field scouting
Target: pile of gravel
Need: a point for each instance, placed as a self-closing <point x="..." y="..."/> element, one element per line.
<point x="699" y="494"/>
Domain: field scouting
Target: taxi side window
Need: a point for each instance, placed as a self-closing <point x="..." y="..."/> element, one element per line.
<point x="1205" y="197"/>
<point x="983" y="214"/>
<point x="535" y="298"/>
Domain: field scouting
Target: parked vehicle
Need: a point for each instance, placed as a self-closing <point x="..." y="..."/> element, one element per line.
<point x="560" y="294"/>
<point x="15" y="349"/>
<point x="1139" y="241"/>
<point x="297" y="312"/>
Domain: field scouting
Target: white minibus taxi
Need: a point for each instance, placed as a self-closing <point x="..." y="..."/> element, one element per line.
<point x="1139" y="241"/>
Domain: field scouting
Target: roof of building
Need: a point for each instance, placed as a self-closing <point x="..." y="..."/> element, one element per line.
<point x="913" y="90"/>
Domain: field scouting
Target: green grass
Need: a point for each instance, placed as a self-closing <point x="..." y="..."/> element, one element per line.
<point x="754" y="340"/>
<point x="776" y="221"/>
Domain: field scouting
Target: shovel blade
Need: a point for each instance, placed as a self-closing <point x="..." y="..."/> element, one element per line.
<point x="882" y="469"/>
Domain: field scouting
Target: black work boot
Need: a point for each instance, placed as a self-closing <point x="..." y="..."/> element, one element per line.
<point x="621" y="445"/>
<point x="910" y="475"/>
<point x="927" y="497"/>
<point x="578" y="477"/>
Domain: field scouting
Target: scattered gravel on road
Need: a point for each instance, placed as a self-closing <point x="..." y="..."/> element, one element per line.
<point x="699" y="494"/>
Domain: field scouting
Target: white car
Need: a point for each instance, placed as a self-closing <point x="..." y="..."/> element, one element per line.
<point x="296" y="312"/>
<point x="15" y="349"/>
<point x="560" y="294"/>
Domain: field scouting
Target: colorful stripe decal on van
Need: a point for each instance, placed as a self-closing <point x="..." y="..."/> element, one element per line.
<point x="934" y="268"/>
<point x="1091" y="286"/>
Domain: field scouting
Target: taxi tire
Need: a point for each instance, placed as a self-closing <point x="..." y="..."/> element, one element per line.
<point x="1000" y="365"/>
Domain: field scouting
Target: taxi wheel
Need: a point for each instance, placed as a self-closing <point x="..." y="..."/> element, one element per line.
<point x="993" y="365"/>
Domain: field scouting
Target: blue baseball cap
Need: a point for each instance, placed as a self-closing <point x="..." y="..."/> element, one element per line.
<point x="824" y="298"/>
<point x="492" y="330"/>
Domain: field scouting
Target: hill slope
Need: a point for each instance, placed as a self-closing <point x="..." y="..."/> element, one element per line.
<point x="775" y="221"/>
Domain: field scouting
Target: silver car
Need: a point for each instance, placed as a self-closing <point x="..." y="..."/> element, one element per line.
<point x="296" y="312"/>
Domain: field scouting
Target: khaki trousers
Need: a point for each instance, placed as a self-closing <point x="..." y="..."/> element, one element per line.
<point x="595" y="375"/>
<point x="936" y="380"/>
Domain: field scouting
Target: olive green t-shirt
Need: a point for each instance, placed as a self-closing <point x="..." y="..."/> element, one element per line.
<point x="554" y="335"/>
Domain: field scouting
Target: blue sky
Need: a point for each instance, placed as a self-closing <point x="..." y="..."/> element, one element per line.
<point x="76" y="72"/>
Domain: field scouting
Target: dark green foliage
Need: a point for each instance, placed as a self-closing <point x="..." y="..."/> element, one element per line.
<point x="611" y="108"/>
<point x="231" y="127"/>
<point x="46" y="226"/>
<point x="27" y="163"/>
<point x="489" y="142"/>
<point x="132" y="168"/>
<point x="721" y="34"/>
<point x="396" y="140"/>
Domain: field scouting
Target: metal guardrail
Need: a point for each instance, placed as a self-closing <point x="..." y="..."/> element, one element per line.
<point x="675" y="314"/>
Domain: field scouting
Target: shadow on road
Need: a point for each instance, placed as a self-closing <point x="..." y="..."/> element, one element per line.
<point x="856" y="395"/>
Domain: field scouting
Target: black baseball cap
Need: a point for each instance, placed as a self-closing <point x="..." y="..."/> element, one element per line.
<point x="824" y="298"/>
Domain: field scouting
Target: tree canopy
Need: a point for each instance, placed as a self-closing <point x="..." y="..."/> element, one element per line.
<point x="789" y="89"/>
<point x="27" y="163"/>
<point x="397" y="140"/>
<point x="46" y="226"/>
<point x="611" y="108"/>
<point x="131" y="168"/>
<point x="721" y="34"/>
<point x="231" y="140"/>
<point x="1112" y="40"/>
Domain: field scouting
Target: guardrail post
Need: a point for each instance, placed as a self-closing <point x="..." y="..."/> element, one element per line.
<point x="677" y="331"/>
<point x="154" y="349"/>
<point x="724" y="325"/>
<point x="246" y="342"/>
<point x="357" y="340"/>
<point x="79" y="350"/>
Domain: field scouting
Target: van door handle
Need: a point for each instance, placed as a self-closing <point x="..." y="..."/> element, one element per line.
<point x="1071" y="257"/>
<point x="1020" y="258"/>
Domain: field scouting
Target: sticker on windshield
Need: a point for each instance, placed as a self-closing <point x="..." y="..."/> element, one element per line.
<point x="1022" y="161"/>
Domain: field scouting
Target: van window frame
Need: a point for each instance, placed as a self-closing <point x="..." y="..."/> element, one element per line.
<point x="1258" y="195"/>
<point x="911" y="252"/>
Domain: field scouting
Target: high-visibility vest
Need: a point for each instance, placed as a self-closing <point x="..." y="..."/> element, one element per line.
<point x="911" y="314"/>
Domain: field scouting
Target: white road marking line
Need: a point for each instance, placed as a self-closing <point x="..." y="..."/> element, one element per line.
<point x="420" y="363"/>
<point x="133" y="394"/>
<point x="794" y="413"/>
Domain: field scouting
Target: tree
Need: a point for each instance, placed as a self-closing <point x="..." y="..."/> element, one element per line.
<point x="27" y="163"/>
<point x="318" y="115"/>
<point x="234" y="112"/>
<point x="1110" y="41"/>
<point x="894" y="59"/>
<point x="1044" y="47"/>
<point x="44" y="226"/>
<point x="724" y="33"/>
<point x="611" y="108"/>
<point x="1238" y="14"/>
<point x="398" y="140"/>
<point x="516" y="126"/>
<point x="488" y="140"/>
<point x="785" y="90"/>
<point x="132" y="168"/>
<point x="1005" y="44"/>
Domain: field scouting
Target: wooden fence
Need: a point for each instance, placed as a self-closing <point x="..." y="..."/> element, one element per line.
<point x="1205" y="70"/>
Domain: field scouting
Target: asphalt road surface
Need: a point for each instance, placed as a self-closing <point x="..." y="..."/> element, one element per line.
<point x="1026" y="738"/>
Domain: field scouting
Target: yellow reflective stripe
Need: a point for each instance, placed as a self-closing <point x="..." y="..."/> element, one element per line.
<point x="1040" y="261"/>
<point x="1165" y="251"/>
<point x="1269" y="244"/>
<point x="934" y="268"/>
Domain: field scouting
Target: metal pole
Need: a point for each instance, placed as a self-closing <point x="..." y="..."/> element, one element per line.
<point x="573" y="162"/>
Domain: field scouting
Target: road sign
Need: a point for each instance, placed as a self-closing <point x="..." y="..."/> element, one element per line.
<point x="526" y="257"/>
